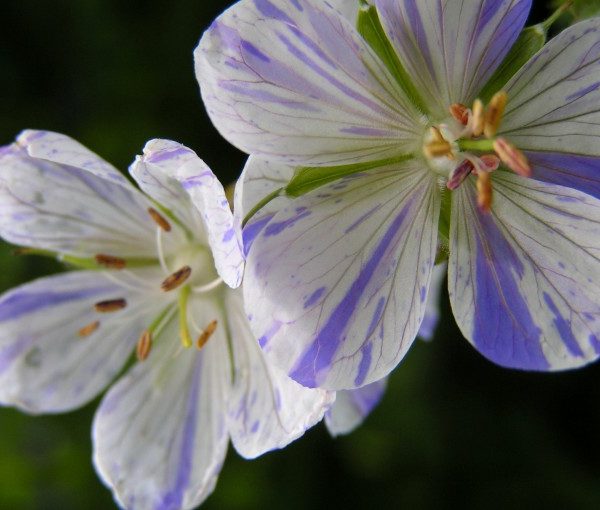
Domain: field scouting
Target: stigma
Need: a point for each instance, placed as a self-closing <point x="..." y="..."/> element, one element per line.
<point x="468" y="145"/>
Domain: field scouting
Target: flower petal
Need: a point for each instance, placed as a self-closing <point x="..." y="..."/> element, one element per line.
<point x="351" y="407"/>
<point x="267" y="409"/>
<point x="295" y="82"/>
<point x="159" y="435"/>
<point x="347" y="8"/>
<point x="452" y="48"/>
<point x="177" y="177"/>
<point x="259" y="178"/>
<point x="524" y="279"/>
<point x="45" y="365"/>
<point x="553" y="111"/>
<point x="432" y="309"/>
<point x="339" y="267"/>
<point x="63" y="150"/>
<point x="70" y="209"/>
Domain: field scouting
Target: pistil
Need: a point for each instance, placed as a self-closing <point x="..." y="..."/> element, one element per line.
<point x="184" y="330"/>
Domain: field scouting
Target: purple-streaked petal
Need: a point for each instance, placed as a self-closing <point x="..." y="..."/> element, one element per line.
<point x="351" y="407"/>
<point x="160" y="435"/>
<point x="292" y="80"/>
<point x="173" y="173"/>
<point x="553" y="111"/>
<point x="259" y="178"/>
<point x="347" y="8"/>
<point x="69" y="209"/>
<point x="267" y="409"/>
<point x="45" y="365"/>
<point x="63" y="150"/>
<point x="450" y="49"/>
<point x="524" y="279"/>
<point x="432" y="310"/>
<point x="336" y="283"/>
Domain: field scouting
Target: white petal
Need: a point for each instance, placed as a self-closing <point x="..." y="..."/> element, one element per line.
<point x="69" y="209"/>
<point x="432" y="310"/>
<point x="524" y="279"/>
<point x="179" y="175"/>
<point x="63" y="150"/>
<point x="295" y="82"/>
<point x="267" y="409"/>
<point x="451" y="48"/>
<point x="336" y="283"/>
<point x="259" y="178"/>
<point x="553" y="99"/>
<point x="351" y="407"/>
<point x="347" y="8"/>
<point x="159" y="435"/>
<point x="45" y="365"/>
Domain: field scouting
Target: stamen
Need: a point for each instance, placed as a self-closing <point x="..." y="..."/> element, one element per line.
<point x="493" y="114"/>
<point x="160" y="251"/>
<point x="110" y="261"/>
<point x="110" y="305"/>
<point x="437" y="149"/>
<point x="459" y="174"/>
<point x="491" y="162"/>
<point x="184" y="332"/>
<point x="89" y="329"/>
<point x="460" y="112"/>
<point x="209" y="286"/>
<point x="176" y="279"/>
<point x="512" y="157"/>
<point x="206" y="334"/>
<point x="144" y="345"/>
<point x="484" y="191"/>
<point x="159" y="219"/>
<point x="477" y="118"/>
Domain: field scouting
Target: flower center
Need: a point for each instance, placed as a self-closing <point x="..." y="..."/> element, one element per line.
<point x="188" y="268"/>
<point x="467" y="144"/>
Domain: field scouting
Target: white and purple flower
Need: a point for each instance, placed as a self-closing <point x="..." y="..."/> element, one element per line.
<point x="376" y="171"/>
<point x="155" y="270"/>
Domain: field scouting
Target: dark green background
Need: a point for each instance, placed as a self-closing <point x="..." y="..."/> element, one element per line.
<point x="454" y="431"/>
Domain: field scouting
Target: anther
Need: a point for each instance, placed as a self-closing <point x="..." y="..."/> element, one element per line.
<point x="89" y="329"/>
<point x="206" y="334"/>
<point x="437" y="146"/>
<point x="176" y="279"/>
<point x="459" y="174"/>
<point x="493" y="114"/>
<point x="484" y="191"/>
<point x="110" y="261"/>
<point x="144" y="345"/>
<point x="460" y="112"/>
<point x="477" y="118"/>
<point x="490" y="161"/>
<point x="512" y="157"/>
<point x="159" y="219"/>
<point x="111" y="305"/>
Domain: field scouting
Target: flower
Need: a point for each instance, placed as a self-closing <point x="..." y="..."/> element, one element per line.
<point x="383" y="153"/>
<point x="150" y="281"/>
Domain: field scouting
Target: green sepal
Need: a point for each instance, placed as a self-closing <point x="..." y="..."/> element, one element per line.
<point x="308" y="178"/>
<point x="369" y="27"/>
<point x="530" y="41"/>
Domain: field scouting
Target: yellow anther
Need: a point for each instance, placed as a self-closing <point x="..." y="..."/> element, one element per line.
<point x="484" y="191"/>
<point x="493" y="114"/>
<point x="176" y="279"/>
<point x="110" y="262"/>
<point x="159" y="219"/>
<point x="460" y="112"/>
<point x="512" y="157"/>
<point x="477" y="118"/>
<point x="144" y="345"/>
<point x="89" y="329"/>
<point x="110" y="305"/>
<point x="206" y="334"/>
<point x="437" y="150"/>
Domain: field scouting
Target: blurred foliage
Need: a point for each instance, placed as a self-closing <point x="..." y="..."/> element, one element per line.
<point x="454" y="431"/>
<point x="580" y="10"/>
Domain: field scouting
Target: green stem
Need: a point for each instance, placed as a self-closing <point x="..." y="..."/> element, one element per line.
<point x="270" y="197"/>
<point x="556" y="14"/>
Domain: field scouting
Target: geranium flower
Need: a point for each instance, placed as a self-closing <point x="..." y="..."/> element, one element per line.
<point x="383" y="154"/>
<point x="153" y="268"/>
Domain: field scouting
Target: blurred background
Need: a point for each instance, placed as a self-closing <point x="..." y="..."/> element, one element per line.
<point x="453" y="431"/>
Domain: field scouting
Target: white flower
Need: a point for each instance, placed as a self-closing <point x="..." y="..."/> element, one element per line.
<point x="150" y="280"/>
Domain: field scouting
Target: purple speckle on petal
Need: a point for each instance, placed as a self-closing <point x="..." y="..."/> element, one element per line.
<point x="314" y="297"/>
